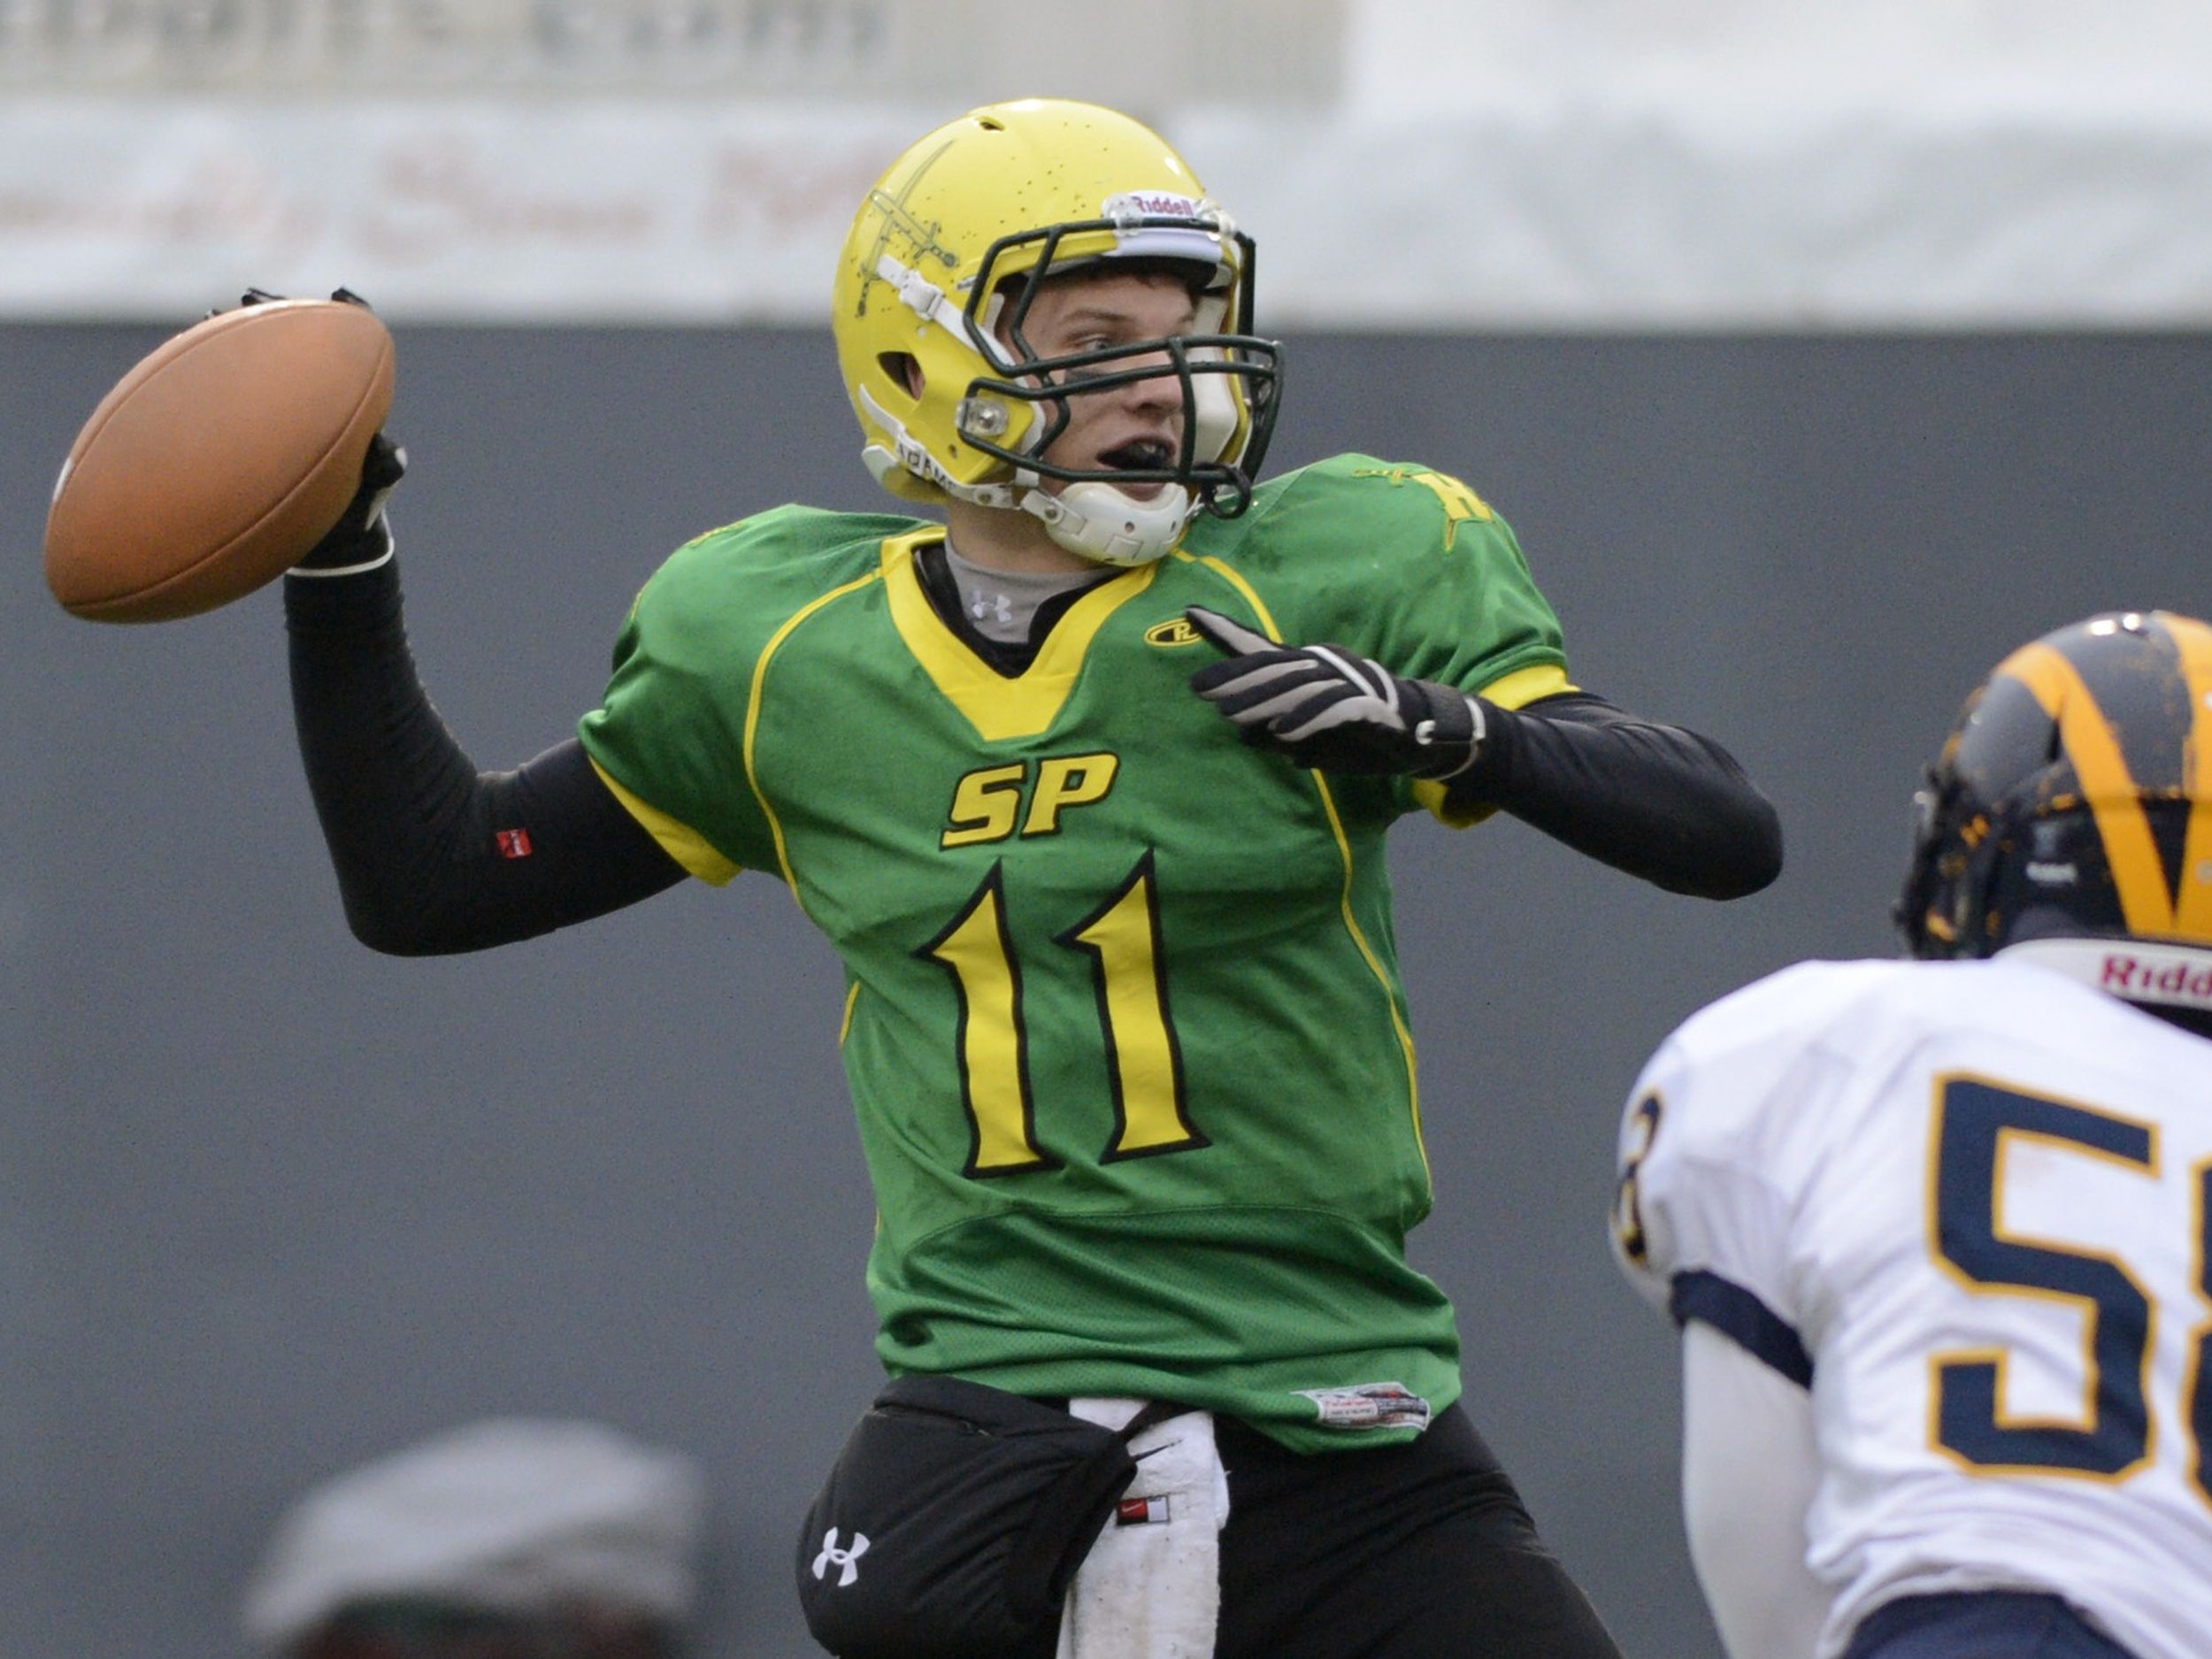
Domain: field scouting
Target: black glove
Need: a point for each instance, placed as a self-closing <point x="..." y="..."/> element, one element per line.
<point x="361" y="538"/>
<point x="263" y="296"/>
<point x="1327" y="709"/>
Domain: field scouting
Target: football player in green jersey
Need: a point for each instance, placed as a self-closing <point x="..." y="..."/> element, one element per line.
<point x="1087" y="781"/>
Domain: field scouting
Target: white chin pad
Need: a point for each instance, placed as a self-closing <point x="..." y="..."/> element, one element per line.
<point x="1214" y="418"/>
<point x="1099" y="521"/>
<point x="1214" y="421"/>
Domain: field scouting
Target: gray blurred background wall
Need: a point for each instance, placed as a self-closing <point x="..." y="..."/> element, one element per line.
<point x="1818" y="356"/>
<point x="271" y="1204"/>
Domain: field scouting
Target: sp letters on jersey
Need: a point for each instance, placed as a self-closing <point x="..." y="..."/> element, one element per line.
<point x="987" y="803"/>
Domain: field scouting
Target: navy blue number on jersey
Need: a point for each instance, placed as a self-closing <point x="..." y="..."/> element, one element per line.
<point x="1977" y="1118"/>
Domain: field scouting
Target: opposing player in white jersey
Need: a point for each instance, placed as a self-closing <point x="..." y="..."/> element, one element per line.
<point x="1939" y="1233"/>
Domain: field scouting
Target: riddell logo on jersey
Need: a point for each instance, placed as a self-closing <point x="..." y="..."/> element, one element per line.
<point x="2169" y="981"/>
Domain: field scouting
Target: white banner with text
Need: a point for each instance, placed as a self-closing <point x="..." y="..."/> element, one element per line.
<point x="1437" y="163"/>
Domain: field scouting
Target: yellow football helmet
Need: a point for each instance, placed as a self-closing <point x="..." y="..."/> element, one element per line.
<point x="941" y="267"/>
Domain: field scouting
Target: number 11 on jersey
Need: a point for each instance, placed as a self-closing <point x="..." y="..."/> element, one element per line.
<point x="1144" y="1065"/>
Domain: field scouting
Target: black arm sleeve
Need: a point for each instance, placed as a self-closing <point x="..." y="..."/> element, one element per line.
<point x="1654" y="801"/>
<point x="432" y="855"/>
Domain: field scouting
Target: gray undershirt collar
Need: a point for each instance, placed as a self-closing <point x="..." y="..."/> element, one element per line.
<point x="1001" y="605"/>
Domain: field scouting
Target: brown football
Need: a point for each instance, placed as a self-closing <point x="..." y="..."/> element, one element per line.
<point x="219" y="460"/>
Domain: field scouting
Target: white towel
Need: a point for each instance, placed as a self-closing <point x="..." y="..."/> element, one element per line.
<point x="1151" y="1586"/>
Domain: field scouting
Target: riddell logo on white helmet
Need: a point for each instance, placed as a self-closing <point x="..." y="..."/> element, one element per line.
<point x="2145" y="971"/>
<point x="2177" y="978"/>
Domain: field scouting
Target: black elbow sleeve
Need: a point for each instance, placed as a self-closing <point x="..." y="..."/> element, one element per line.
<point x="532" y="850"/>
<point x="432" y="855"/>
<point x="1657" y="802"/>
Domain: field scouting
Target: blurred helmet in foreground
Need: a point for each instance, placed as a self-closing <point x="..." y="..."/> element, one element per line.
<point x="2070" y="812"/>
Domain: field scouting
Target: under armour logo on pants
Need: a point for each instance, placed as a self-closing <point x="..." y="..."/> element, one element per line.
<point x="847" y="1561"/>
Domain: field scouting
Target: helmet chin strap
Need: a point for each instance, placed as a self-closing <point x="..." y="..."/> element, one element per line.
<point x="1101" y="521"/>
<point x="1094" y="520"/>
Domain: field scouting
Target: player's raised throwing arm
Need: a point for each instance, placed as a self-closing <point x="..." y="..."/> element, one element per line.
<point x="432" y="855"/>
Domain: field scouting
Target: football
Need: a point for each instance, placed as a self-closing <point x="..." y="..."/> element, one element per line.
<point x="219" y="460"/>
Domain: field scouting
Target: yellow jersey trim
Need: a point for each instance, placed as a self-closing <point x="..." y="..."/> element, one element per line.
<point x="1524" y="686"/>
<point x="1236" y="580"/>
<point x="1344" y="851"/>
<point x="1515" y="690"/>
<point x="688" y="847"/>
<point x="752" y="719"/>
<point x="1432" y="796"/>
<point x="999" y="707"/>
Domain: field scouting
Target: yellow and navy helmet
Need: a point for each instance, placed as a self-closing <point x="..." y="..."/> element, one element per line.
<point x="941" y="265"/>
<point x="2073" y="801"/>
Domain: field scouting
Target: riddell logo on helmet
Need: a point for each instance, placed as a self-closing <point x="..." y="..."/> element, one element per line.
<point x="2167" y="981"/>
<point x="1157" y="204"/>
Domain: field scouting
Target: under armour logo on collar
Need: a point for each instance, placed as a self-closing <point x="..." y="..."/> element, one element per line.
<point x="847" y="1561"/>
<point x="986" y="606"/>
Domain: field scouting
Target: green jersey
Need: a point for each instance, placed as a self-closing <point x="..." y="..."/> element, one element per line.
<point x="1124" y="1028"/>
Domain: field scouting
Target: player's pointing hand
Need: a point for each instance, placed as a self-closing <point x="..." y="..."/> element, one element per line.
<point x="1324" y="707"/>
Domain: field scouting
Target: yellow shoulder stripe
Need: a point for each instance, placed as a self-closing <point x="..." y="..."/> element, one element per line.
<point x="1229" y="574"/>
<point x="752" y="717"/>
<point x="683" y="843"/>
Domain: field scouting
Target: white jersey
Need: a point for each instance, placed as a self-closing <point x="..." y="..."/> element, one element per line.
<point x="1968" y="1205"/>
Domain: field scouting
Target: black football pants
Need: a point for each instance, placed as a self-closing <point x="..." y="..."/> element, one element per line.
<point x="1420" y="1551"/>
